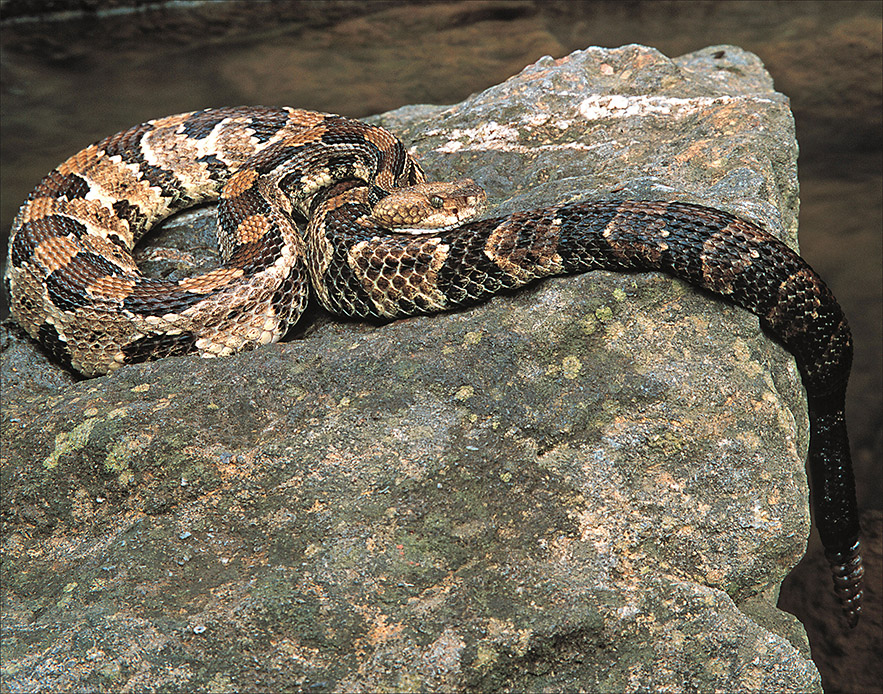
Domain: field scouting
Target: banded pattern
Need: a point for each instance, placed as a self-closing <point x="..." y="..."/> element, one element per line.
<point x="380" y="242"/>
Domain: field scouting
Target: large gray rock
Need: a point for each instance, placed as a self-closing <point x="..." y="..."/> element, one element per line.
<point x="596" y="483"/>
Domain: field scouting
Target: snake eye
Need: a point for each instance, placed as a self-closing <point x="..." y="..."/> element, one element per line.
<point x="436" y="201"/>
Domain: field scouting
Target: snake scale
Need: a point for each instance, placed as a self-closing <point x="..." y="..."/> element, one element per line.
<point x="381" y="242"/>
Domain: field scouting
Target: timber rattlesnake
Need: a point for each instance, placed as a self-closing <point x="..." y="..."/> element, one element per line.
<point x="367" y="252"/>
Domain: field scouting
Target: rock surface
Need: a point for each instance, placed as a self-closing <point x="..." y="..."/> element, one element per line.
<point x="595" y="483"/>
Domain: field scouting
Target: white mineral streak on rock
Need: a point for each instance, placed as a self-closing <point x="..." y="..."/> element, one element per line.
<point x="599" y="106"/>
<point x="491" y="135"/>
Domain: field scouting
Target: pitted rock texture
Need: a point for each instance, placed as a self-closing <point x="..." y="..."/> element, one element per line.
<point x="596" y="483"/>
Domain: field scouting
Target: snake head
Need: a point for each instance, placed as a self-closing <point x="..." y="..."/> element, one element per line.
<point x="428" y="208"/>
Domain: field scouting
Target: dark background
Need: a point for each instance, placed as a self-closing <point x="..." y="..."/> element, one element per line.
<point x="73" y="71"/>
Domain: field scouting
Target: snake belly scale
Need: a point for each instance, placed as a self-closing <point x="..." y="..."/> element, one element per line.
<point x="380" y="242"/>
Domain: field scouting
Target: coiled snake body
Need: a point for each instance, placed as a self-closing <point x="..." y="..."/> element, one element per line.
<point x="380" y="242"/>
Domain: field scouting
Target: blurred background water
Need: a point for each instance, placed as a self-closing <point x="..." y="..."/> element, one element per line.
<point x="73" y="71"/>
